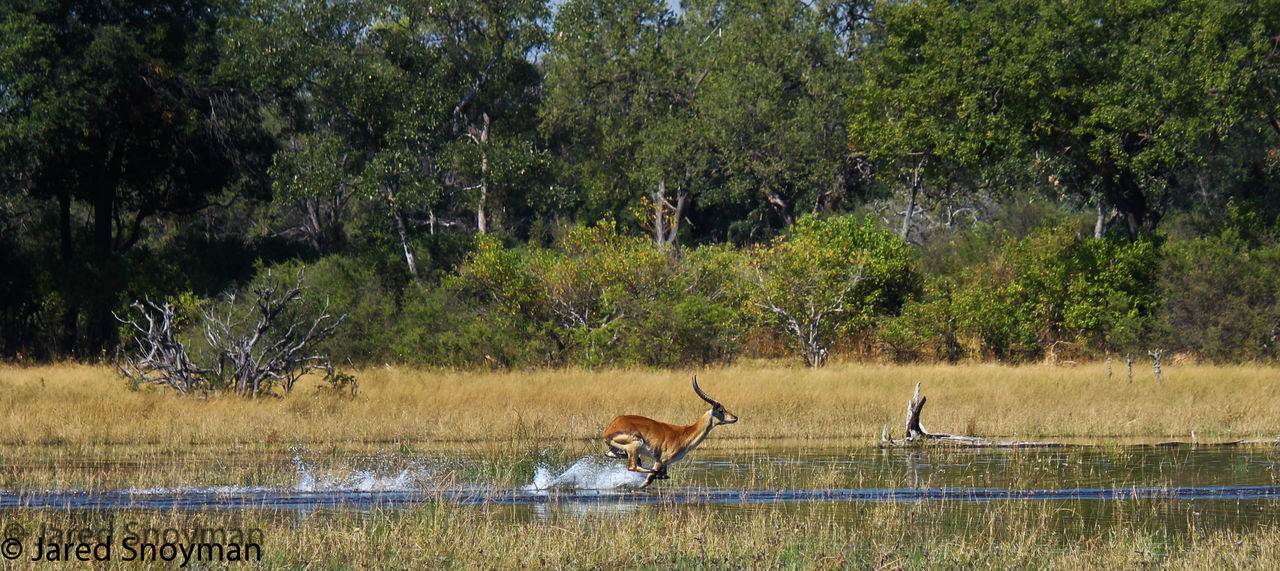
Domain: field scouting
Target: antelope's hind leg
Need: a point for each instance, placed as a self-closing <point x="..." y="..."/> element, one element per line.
<point x="628" y="446"/>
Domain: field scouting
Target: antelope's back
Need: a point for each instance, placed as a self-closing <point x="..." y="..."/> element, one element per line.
<point x="634" y="425"/>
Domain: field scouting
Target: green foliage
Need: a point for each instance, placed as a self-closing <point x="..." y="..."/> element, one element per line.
<point x="1050" y="287"/>
<point x="603" y="298"/>
<point x="443" y="167"/>
<point x="830" y="276"/>
<point x="1221" y="297"/>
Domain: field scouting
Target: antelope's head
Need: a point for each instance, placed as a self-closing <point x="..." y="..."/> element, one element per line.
<point x="719" y="415"/>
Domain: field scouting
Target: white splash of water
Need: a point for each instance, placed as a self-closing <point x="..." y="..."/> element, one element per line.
<point x="306" y="482"/>
<point x="360" y="480"/>
<point x="589" y="473"/>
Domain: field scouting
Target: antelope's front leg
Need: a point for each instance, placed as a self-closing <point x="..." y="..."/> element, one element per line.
<point x="659" y="472"/>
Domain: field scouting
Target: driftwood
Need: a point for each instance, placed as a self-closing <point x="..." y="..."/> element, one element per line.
<point x="918" y="436"/>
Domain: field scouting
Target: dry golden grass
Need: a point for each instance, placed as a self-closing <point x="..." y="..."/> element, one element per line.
<point x="872" y="536"/>
<point x="55" y="417"/>
<point x="73" y="406"/>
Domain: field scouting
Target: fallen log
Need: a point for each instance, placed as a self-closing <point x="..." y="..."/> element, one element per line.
<point x="917" y="436"/>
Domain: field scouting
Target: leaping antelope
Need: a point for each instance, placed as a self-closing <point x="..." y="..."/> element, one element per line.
<point x="631" y="435"/>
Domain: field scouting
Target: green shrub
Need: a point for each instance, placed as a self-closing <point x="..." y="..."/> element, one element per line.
<point x="1051" y="287"/>
<point x="829" y="277"/>
<point x="1221" y="298"/>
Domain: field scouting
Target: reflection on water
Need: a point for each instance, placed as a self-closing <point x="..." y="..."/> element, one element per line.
<point x="1209" y="487"/>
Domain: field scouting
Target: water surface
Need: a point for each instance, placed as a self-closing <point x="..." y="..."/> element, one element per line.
<point x="1223" y="486"/>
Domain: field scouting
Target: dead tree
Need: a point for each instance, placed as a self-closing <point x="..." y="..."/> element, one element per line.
<point x="917" y="436"/>
<point x="1156" y="354"/>
<point x="161" y="356"/>
<point x="251" y="351"/>
<point x="268" y="346"/>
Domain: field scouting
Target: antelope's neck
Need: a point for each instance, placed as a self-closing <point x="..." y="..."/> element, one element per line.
<point x="696" y="432"/>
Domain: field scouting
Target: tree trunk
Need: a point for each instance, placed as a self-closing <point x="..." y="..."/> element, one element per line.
<point x="916" y="433"/>
<point x="1100" y="224"/>
<point x="780" y="205"/>
<point x="403" y="230"/>
<point x="100" y="324"/>
<point x="665" y="234"/>
<point x="70" y="313"/>
<point x="659" y="199"/>
<point x="913" y="193"/>
<point x="482" y="224"/>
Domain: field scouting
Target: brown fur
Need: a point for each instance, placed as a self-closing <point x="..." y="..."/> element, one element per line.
<point x="635" y="435"/>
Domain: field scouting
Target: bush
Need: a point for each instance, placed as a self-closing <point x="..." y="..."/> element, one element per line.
<point x="604" y="298"/>
<point x="1221" y="298"/>
<point x="1052" y="286"/>
<point x="828" y="277"/>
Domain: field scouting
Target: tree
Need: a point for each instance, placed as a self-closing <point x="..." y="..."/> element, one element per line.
<point x="400" y="94"/>
<point x="1121" y="104"/>
<point x="771" y="108"/>
<point x="933" y="106"/>
<point x="727" y="118"/>
<point x="828" y="276"/>
<point x="616" y="112"/>
<point x="247" y="350"/>
<point x="114" y="113"/>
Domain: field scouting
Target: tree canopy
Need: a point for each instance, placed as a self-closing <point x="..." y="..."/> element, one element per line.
<point x="526" y="182"/>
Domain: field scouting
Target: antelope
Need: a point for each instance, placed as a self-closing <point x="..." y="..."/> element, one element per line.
<point x="631" y="435"/>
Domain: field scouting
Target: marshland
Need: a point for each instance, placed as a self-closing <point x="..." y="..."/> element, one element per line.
<point x="372" y="277"/>
<point x="501" y="469"/>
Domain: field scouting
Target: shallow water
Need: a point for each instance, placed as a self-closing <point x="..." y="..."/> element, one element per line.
<point x="1159" y="486"/>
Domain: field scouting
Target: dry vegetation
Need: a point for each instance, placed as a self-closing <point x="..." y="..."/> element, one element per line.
<point x="875" y="536"/>
<point x="53" y="419"/>
<point x="80" y="406"/>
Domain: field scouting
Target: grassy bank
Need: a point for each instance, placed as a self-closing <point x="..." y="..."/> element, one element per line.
<point x="875" y="536"/>
<point x="80" y="406"/>
<point x="81" y="427"/>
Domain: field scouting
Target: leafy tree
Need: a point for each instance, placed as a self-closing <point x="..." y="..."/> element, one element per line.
<point x="396" y="96"/>
<point x="114" y="114"/>
<point x="729" y="115"/>
<point x="773" y="108"/>
<point x="1121" y="103"/>
<point x="828" y="276"/>
<point x="1221" y="293"/>
<point x="935" y="104"/>
<point x="616" y="111"/>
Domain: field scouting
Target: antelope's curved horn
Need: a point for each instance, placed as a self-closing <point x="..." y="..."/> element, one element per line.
<point x="704" y="396"/>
